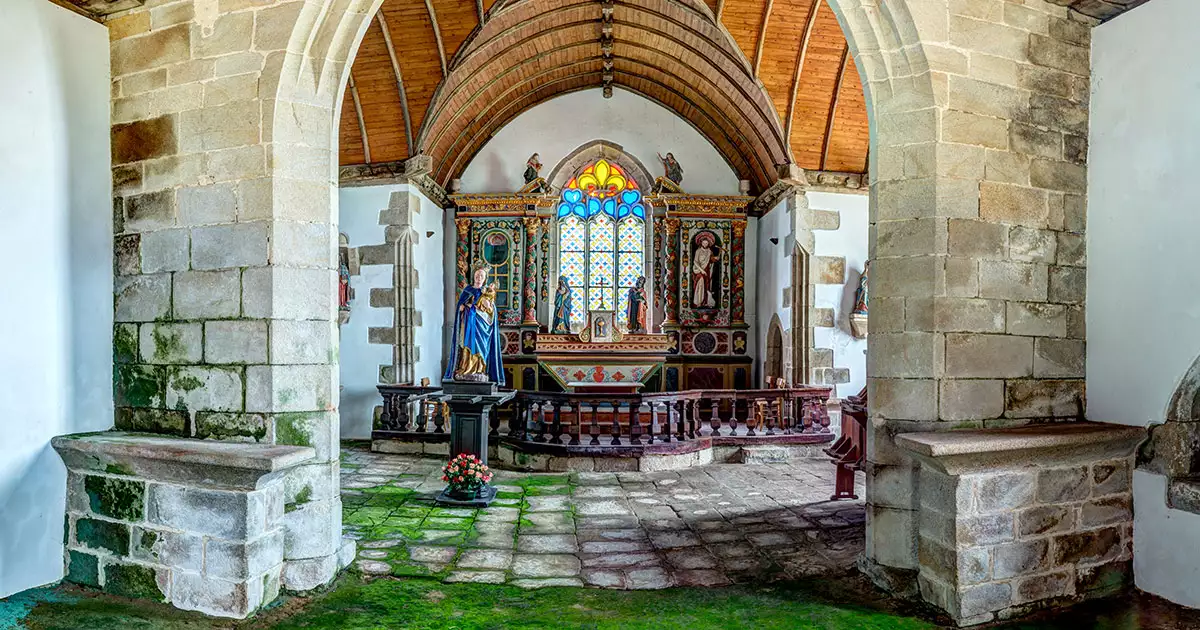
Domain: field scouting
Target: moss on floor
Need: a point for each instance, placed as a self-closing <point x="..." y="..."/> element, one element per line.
<point x="423" y="604"/>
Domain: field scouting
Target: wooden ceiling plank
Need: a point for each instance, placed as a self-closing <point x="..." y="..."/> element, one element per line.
<point x="833" y="103"/>
<point x="391" y="49"/>
<point x="437" y="35"/>
<point x="762" y="35"/>
<point x="362" y="125"/>
<point x="799" y="69"/>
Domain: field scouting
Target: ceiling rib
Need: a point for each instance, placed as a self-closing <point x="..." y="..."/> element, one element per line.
<point x="833" y="103"/>
<point x="362" y="125"/>
<point x="437" y="35"/>
<point x="391" y="50"/>
<point x="762" y="35"/>
<point x="805" y="39"/>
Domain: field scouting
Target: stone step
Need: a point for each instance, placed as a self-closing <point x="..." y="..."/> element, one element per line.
<point x="776" y="454"/>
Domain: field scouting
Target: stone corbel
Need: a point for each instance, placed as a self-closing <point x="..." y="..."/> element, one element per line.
<point x="791" y="179"/>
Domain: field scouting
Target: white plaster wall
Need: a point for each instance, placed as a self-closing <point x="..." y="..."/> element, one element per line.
<point x="772" y="273"/>
<point x="1143" y="311"/>
<point x="360" y="360"/>
<point x="56" y="250"/>
<point x="557" y="127"/>
<point x="850" y="242"/>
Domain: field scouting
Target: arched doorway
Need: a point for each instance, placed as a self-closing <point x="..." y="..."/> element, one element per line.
<point x="773" y="368"/>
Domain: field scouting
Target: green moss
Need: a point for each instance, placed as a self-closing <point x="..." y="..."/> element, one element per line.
<point x="125" y="343"/>
<point x="163" y="421"/>
<point x="144" y="541"/>
<point x="118" y="469"/>
<point x="187" y="383"/>
<point x="540" y="481"/>
<point x="122" y="499"/>
<point x="168" y="343"/>
<point x="230" y="427"/>
<point x="83" y="568"/>
<point x="132" y="580"/>
<point x="95" y="534"/>
<point x="294" y="428"/>
<point x="301" y="498"/>
<point x="139" y="385"/>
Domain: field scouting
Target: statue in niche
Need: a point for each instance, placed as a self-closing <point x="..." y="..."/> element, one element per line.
<point x="476" y="348"/>
<point x="706" y="256"/>
<point x="636" y="310"/>
<point x="347" y="266"/>
<point x="858" y="316"/>
<point x="562" y="309"/>
<point x="533" y="178"/>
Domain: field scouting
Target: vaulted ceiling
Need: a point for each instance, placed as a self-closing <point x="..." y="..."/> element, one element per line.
<point x="768" y="82"/>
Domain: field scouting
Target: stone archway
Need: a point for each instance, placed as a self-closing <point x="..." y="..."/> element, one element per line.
<point x="226" y="184"/>
<point x="773" y="366"/>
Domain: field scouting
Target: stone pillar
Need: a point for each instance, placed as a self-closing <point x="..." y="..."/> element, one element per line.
<point x="671" y="273"/>
<point x="977" y="210"/>
<point x="530" y="291"/>
<point x="226" y="317"/>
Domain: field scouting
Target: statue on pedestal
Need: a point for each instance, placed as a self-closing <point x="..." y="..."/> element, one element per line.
<point x="476" y="349"/>
<point x="533" y="179"/>
<point x="636" y="310"/>
<point x="858" y="317"/>
<point x="561" y="322"/>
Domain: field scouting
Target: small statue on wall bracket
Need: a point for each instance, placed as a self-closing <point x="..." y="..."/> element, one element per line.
<point x="533" y="178"/>
<point x="858" y="317"/>
<point x="563" y="309"/>
<point x="347" y="257"/>
<point x="672" y="179"/>
<point x="636" y="310"/>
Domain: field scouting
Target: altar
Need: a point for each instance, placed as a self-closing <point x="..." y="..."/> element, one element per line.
<point x="625" y="365"/>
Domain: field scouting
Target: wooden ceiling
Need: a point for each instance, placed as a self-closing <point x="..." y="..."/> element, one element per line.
<point x="768" y="82"/>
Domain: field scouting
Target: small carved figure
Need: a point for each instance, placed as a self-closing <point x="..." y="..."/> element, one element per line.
<point x="476" y="348"/>
<point x="704" y="260"/>
<point x="636" y="309"/>
<point x="671" y="168"/>
<point x="533" y="168"/>
<point x="861" y="299"/>
<point x="562" y="309"/>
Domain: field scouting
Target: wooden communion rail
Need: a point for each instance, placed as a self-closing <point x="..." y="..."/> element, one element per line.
<point x="622" y="425"/>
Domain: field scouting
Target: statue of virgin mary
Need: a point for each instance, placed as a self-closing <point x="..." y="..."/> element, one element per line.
<point x="476" y="353"/>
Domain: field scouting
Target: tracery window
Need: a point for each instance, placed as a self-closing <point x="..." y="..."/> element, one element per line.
<point x="601" y="240"/>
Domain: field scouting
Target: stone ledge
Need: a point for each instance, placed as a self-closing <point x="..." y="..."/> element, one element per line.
<point x="204" y="463"/>
<point x="961" y="452"/>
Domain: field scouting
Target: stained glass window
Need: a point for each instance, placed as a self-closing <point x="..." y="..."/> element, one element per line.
<point x="601" y="239"/>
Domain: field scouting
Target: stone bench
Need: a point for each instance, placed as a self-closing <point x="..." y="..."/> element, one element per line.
<point x="1013" y="519"/>
<point x="195" y="523"/>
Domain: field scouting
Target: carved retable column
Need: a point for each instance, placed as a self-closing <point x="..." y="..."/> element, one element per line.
<point x="530" y="299"/>
<point x="671" y="286"/>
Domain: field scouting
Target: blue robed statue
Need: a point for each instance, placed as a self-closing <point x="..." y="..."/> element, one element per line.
<point x="475" y="350"/>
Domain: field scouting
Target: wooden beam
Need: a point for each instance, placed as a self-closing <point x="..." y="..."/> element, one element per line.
<point x="437" y="35"/>
<point x="387" y="40"/>
<point x="796" y="74"/>
<point x="762" y="35"/>
<point x="833" y="103"/>
<point x="362" y="125"/>
<point x="78" y="9"/>
<point x="720" y="10"/>
<point x="479" y="10"/>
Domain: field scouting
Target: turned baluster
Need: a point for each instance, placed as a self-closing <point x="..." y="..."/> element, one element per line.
<point x="822" y="412"/>
<point x="734" y="408"/>
<point x="494" y="424"/>
<point x="635" y="423"/>
<point x="576" y="426"/>
<point x="594" y="428"/>
<point x="678" y="409"/>
<point x="556" y="429"/>
<point x="439" y="419"/>
<point x="754" y="415"/>
<point x="616" y="423"/>
<point x="540" y="423"/>
<point x="516" y="423"/>
<point x="694" y="420"/>
<point x="385" y="416"/>
<point x="653" y="421"/>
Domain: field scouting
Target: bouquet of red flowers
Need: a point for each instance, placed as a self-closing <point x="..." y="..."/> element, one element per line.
<point x="466" y="474"/>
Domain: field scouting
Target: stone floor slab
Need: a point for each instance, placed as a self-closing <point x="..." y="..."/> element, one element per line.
<point x="545" y="565"/>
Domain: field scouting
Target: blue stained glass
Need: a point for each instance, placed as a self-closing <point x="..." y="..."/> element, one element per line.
<point x="609" y="206"/>
<point x="629" y="235"/>
<point x="601" y="234"/>
<point x="572" y="268"/>
<point x="593" y="206"/>
<point x="600" y="269"/>
<point x="571" y="235"/>
<point x="630" y="268"/>
<point x="622" y="307"/>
